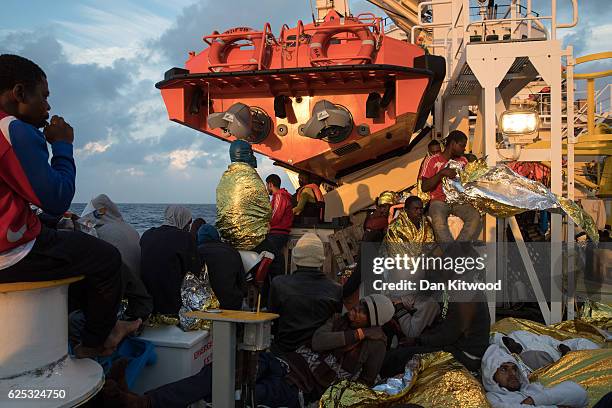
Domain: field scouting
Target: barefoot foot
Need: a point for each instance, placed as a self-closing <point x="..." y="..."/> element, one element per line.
<point x="81" y="351"/>
<point x="122" y="328"/>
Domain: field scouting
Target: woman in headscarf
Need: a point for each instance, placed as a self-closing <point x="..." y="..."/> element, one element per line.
<point x="104" y="215"/>
<point x="168" y="252"/>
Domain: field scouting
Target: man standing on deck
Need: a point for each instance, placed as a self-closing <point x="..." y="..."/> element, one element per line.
<point x="282" y="215"/>
<point x="30" y="251"/>
<point x="434" y="170"/>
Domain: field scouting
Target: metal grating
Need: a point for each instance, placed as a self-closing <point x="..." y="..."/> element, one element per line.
<point x="464" y="87"/>
<point x="504" y="83"/>
<point x="466" y="70"/>
<point x="346" y="149"/>
<point x="519" y="65"/>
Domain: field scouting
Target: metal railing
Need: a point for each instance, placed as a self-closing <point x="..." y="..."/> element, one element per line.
<point x="460" y="24"/>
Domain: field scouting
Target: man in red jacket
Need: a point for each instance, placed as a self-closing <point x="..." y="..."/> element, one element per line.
<point x="282" y="214"/>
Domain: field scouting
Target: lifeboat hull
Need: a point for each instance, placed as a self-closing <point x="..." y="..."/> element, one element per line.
<point x="298" y="70"/>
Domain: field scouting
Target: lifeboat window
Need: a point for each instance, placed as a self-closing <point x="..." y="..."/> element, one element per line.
<point x="291" y="41"/>
<point x="244" y="45"/>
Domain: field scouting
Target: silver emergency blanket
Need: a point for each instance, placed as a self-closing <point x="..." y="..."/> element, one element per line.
<point x="196" y="295"/>
<point x="501" y="192"/>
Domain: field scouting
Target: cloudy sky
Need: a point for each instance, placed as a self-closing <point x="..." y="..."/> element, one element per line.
<point x="103" y="58"/>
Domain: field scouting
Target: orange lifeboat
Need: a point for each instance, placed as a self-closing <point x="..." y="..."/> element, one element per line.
<point x="328" y="98"/>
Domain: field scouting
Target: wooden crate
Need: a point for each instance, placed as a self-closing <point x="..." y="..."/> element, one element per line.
<point x="345" y="245"/>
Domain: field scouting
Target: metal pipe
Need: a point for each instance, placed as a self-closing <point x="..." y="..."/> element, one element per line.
<point x="591" y="106"/>
<point x="529" y="15"/>
<point x="553" y="24"/>
<point x="574" y="15"/>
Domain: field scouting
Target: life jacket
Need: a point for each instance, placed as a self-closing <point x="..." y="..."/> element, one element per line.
<point x="310" y="209"/>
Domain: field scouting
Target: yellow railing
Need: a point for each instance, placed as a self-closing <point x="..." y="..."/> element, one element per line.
<point x="590" y="78"/>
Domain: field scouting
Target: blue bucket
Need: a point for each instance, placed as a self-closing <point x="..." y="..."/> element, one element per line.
<point x="140" y="353"/>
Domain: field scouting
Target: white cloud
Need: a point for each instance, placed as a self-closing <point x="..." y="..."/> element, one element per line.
<point x="130" y="171"/>
<point x="178" y="159"/>
<point x="92" y="148"/>
<point x="110" y="31"/>
<point x="149" y="118"/>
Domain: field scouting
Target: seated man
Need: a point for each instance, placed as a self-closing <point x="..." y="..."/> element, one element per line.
<point x="243" y="207"/>
<point x="309" y="199"/>
<point x="225" y="270"/>
<point x="244" y="211"/>
<point x="349" y="346"/>
<point x="507" y="386"/>
<point x="539" y="350"/>
<point x="464" y="332"/>
<point x="374" y="230"/>
<point x="433" y="148"/>
<point x="411" y="233"/>
<point x="304" y="300"/>
<point x="355" y="340"/>
<point x="434" y="170"/>
<point x="30" y="251"/>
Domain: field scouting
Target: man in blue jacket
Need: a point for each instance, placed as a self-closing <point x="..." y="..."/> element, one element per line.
<point x="30" y="251"/>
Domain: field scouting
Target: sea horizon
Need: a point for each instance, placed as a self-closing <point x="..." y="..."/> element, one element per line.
<point x="143" y="216"/>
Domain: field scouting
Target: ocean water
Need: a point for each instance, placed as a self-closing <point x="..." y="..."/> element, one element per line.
<point x="144" y="216"/>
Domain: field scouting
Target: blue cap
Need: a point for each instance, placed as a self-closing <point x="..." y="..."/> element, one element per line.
<point x="207" y="233"/>
<point x="241" y="151"/>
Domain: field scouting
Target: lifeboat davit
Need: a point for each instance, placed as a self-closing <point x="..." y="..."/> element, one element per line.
<point x="327" y="98"/>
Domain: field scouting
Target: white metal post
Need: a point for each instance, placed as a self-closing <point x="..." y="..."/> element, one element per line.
<point x="571" y="258"/>
<point x="529" y="22"/>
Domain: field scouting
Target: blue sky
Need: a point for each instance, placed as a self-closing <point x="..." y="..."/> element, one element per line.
<point x="104" y="57"/>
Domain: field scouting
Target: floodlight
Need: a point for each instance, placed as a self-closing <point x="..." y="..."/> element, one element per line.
<point x="519" y="122"/>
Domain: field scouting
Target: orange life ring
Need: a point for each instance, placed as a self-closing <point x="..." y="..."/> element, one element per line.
<point x="219" y="45"/>
<point x="318" y="42"/>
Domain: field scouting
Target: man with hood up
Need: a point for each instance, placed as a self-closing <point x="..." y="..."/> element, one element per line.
<point x="225" y="269"/>
<point x="104" y="215"/>
<point x="508" y="387"/>
<point x="539" y="350"/>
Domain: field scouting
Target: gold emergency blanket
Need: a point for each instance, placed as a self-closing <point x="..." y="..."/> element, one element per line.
<point x="404" y="237"/>
<point x="243" y="207"/>
<point x="501" y="192"/>
<point x="425" y="197"/>
<point x="387" y="197"/>
<point x="440" y="382"/>
<point x="590" y="368"/>
<point x="597" y="314"/>
<point x="569" y="329"/>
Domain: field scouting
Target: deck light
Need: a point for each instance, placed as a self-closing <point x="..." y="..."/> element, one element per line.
<point x="519" y="122"/>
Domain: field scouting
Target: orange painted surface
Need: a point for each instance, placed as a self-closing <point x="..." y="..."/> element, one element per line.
<point x="349" y="88"/>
